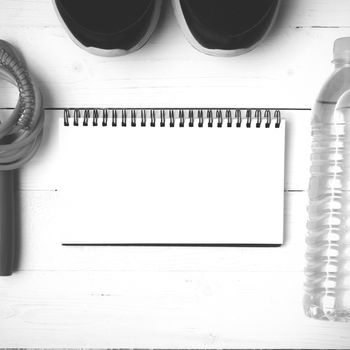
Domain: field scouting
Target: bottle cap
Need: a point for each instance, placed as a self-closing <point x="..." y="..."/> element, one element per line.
<point x="342" y="49"/>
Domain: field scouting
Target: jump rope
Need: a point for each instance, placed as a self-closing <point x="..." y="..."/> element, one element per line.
<point x="20" y="137"/>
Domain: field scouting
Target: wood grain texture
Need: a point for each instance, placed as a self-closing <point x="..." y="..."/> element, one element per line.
<point x="167" y="297"/>
<point x="157" y="309"/>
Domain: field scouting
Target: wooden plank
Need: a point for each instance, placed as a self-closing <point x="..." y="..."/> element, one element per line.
<point x="178" y="309"/>
<point x="286" y="71"/>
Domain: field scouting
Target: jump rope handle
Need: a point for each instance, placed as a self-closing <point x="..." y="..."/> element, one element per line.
<point x="7" y="222"/>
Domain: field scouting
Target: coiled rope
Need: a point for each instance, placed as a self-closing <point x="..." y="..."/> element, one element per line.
<point x="21" y="132"/>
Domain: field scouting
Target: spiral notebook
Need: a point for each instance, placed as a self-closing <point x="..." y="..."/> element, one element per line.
<point x="172" y="177"/>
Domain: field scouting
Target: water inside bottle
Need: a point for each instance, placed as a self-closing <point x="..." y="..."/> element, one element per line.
<point x="327" y="287"/>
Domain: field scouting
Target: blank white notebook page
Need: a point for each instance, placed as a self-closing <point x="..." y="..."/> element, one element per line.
<point x="171" y="185"/>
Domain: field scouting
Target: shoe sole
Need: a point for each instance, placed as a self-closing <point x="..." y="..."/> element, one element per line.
<point x="216" y="52"/>
<point x="115" y="52"/>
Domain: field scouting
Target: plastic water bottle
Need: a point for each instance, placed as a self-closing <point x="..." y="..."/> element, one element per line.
<point x="327" y="286"/>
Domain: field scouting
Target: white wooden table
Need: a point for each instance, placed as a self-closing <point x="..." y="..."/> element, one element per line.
<point x="168" y="297"/>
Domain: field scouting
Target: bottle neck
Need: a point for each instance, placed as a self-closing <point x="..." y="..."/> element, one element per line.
<point x="341" y="62"/>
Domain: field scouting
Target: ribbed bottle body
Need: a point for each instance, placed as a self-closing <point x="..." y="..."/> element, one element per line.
<point x="327" y="285"/>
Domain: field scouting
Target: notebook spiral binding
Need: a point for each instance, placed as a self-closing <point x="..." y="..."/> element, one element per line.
<point x="173" y="117"/>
